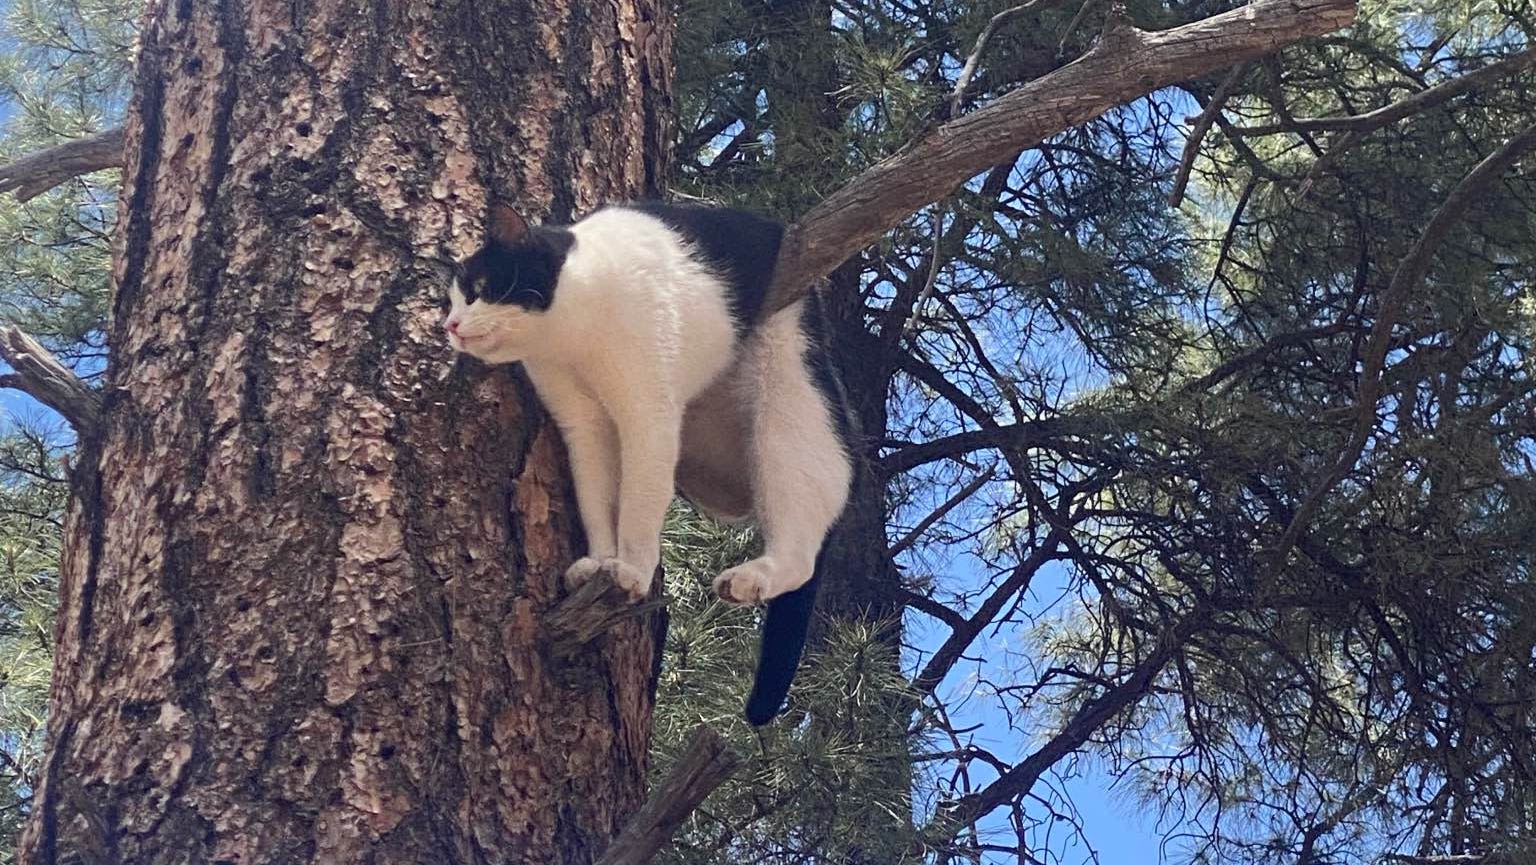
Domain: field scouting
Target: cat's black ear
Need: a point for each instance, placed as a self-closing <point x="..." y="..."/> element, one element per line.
<point x="505" y="225"/>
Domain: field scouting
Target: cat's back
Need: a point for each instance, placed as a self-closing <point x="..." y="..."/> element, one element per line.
<point x="739" y="246"/>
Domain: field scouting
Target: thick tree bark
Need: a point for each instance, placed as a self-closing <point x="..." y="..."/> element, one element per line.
<point x="308" y="560"/>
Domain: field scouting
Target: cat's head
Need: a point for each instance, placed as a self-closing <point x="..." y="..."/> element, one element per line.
<point x="501" y="294"/>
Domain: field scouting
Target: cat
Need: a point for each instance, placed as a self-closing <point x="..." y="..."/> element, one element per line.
<point x="643" y="330"/>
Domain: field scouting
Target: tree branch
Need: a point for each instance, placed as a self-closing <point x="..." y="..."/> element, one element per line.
<point x="1403" y="108"/>
<point x="1021" y="435"/>
<point x="1114" y="72"/>
<point x="949" y="653"/>
<point x="1201" y="126"/>
<point x="32" y="175"/>
<point x="1454" y="859"/>
<point x="925" y="604"/>
<point x="1405" y="280"/>
<point x="1087" y="720"/>
<point x="41" y="375"/>
<point x="705" y="765"/>
<point x="927" y="522"/>
<point x="963" y="82"/>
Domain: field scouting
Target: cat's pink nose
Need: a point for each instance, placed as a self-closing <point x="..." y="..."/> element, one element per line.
<point x="453" y="326"/>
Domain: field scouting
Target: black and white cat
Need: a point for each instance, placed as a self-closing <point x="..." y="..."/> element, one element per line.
<point x="643" y="332"/>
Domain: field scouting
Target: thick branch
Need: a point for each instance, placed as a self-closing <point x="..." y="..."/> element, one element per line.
<point x="31" y="176"/>
<point x="48" y="381"/>
<point x="1135" y="64"/>
<point x="704" y="766"/>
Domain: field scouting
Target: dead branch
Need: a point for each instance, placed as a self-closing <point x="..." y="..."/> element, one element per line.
<point x="1116" y="71"/>
<point x="45" y="379"/>
<point x="34" y="174"/>
<point x="705" y="765"/>
<point x="967" y="72"/>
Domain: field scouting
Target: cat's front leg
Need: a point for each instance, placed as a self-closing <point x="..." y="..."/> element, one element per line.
<point x="649" y="439"/>
<point x="593" y="449"/>
<point x="592" y="445"/>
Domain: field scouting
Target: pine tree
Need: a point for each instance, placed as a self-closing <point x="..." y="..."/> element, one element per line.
<point x="1106" y="436"/>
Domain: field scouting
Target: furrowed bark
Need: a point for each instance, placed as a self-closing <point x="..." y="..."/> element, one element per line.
<point x="1126" y="64"/>
<point x="309" y="557"/>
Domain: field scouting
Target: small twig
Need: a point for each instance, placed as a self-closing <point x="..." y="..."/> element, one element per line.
<point x="1405" y="280"/>
<point x="953" y="502"/>
<point x="969" y="70"/>
<point x="1200" y="128"/>
<point x="34" y="174"/>
<point x="1076" y="22"/>
<point x="934" y="265"/>
<point x="591" y="611"/>
<point x="50" y="382"/>
<point x="706" y="764"/>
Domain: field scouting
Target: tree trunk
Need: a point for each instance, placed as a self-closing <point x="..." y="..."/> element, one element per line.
<point x="308" y="558"/>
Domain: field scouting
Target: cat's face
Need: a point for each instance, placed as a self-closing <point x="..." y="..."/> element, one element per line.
<point x="502" y="294"/>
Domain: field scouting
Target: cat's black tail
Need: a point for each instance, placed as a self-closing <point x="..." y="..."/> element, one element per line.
<point x="785" y="626"/>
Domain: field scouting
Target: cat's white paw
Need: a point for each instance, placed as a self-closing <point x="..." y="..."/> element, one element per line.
<point x="629" y="578"/>
<point x="580" y="571"/>
<point x="748" y="583"/>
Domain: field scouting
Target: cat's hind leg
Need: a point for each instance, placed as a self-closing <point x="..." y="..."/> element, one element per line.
<point x="800" y="467"/>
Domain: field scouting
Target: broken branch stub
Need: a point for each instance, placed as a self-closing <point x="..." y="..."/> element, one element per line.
<point x="47" y="380"/>
<point x="591" y="611"/>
